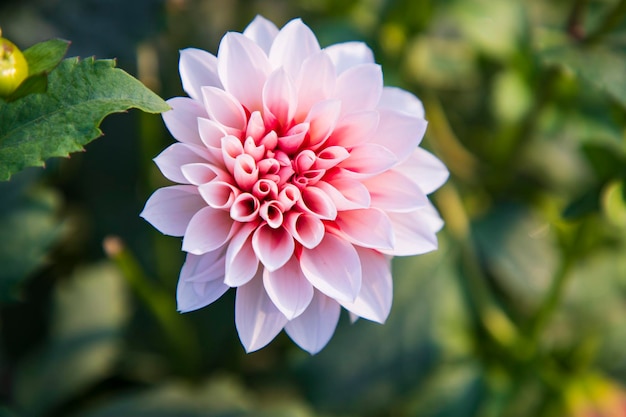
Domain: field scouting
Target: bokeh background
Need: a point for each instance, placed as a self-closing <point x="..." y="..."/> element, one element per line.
<point x="521" y="311"/>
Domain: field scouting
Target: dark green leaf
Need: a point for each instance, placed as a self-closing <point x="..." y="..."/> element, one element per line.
<point x="80" y="95"/>
<point x="33" y="84"/>
<point x="88" y="314"/>
<point x="28" y="227"/>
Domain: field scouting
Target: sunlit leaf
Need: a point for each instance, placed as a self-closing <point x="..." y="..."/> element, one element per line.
<point x="80" y="95"/>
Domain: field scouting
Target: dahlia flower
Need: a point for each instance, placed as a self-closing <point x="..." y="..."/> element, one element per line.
<point x="299" y="177"/>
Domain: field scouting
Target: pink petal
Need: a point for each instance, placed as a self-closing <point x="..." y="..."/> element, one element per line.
<point x="170" y="209"/>
<point x="292" y="46"/>
<point x="315" y="83"/>
<point x="182" y="119"/>
<point x="431" y="217"/>
<point x="305" y="228"/>
<point x="294" y="138"/>
<point x="200" y="281"/>
<point x="174" y="157"/>
<point x="425" y="170"/>
<point x="243" y="68"/>
<point x="231" y="149"/>
<point x="257" y="319"/>
<point x="223" y="108"/>
<point x="256" y="127"/>
<point x="346" y="193"/>
<point x="413" y="234"/>
<point x="289" y="196"/>
<point x="211" y="134"/>
<point x="397" y="99"/>
<point x="359" y="88"/>
<point x="399" y="133"/>
<point x="272" y="213"/>
<point x="330" y="156"/>
<point x="241" y="261"/>
<point x="197" y="69"/>
<point x="374" y="299"/>
<point x="322" y="119"/>
<point x="313" y="329"/>
<point x="273" y="247"/>
<point x="354" y="129"/>
<point x="208" y="230"/>
<point x="219" y="194"/>
<point x="199" y="173"/>
<point x="369" y="228"/>
<point x="288" y="288"/>
<point x="333" y="267"/>
<point x="262" y="32"/>
<point x="368" y="160"/>
<point x="393" y="191"/>
<point x="279" y="98"/>
<point x="349" y="54"/>
<point x="245" y="208"/>
<point x="246" y="172"/>
<point x="316" y="202"/>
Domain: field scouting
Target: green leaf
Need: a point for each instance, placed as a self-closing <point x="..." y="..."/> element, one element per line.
<point x="28" y="227"/>
<point x="599" y="65"/>
<point x="42" y="58"/>
<point x="80" y="95"/>
<point x="88" y="315"/>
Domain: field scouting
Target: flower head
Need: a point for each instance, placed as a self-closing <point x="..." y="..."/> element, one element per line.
<point x="300" y="177"/>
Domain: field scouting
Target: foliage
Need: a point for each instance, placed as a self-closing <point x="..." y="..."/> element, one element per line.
<point x="519" y="313"/>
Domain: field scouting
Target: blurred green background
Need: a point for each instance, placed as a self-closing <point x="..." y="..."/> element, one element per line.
<point x="521" y="312"/>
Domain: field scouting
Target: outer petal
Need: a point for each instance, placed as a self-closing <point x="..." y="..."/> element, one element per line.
<point x="354" y="129"/>
<point x="368" y="160"/>
<point x="182" y="119"/>
<point x="393" y="191"/>
<point x="346" y="194"/>
<point x="170" y="209"/>
<point x="279" y="97"/>
<point x="200" y="281"/>
<point x="399" y="133"/>
<point x="313" y="329"/>
<point x="359" y="88"/>
<point x="261" y="31"/>
<point x="369" y="228"/>
<point x="333" y="267"/>
<point x="243" y="68"/>
<point x="257" y="319"/>
<point x="395" y="98"/>
<point x="374" y="299"/>
<point x="207" y="231"/>
<point x="288" y="288"/>
<point x="292" y="46"/>
<point x="198" y="68"/>
<point x="425" y="170"/>
<point x="413" y="232"/>
<point x="348" y="54"/>
<point x="224" y="108"/>
<point x="241" y="261"/>
<point x="273" y="247"/>
<point x="315" y="82"/>
<point x="174" y="157"/>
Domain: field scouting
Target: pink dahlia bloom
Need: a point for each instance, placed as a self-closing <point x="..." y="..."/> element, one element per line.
<point x="300" y="177"/>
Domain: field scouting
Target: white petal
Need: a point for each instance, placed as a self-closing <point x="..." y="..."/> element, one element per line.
<point x="288" y="288"/>
<point x="241" y="261"/>
<point x="414" y="234"/>
<point x="313" y="329"/>
<point x="272" y="246"/>
<point x="224" y="108"/>
<point x="359" y="88"/>
<point x="182" y="119"/>
<point x="257" y="319"/>
<point x="292" y="46"/>
<point x="200" y="282"/>
<point x="170" y="209"/>
<point x="399" y="132"/>
<point x="368" y="160"/>
<point x="175" y="156"/>
<point x="279" y="98"/>
<point x="348" y="54"/>
<point x="369" y="228"/>
<point x="374" y="299"/>
<point x="393" y="191"/>
<point x="425" y="170"/>
<point x="243" y="68"/>
<point x="315" y="82"/>
<point x="198" y="68"/>
<point x="207" y="231"/>
<point x="397" y="99"/>
<point x="333" y="267"/>
<point x="261" y="31"/>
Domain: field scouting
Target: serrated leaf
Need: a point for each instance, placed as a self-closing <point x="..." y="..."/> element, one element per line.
<point x="45" y="56"/>
<point x="80" y="95"/>
<point x="598" y="65"/>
